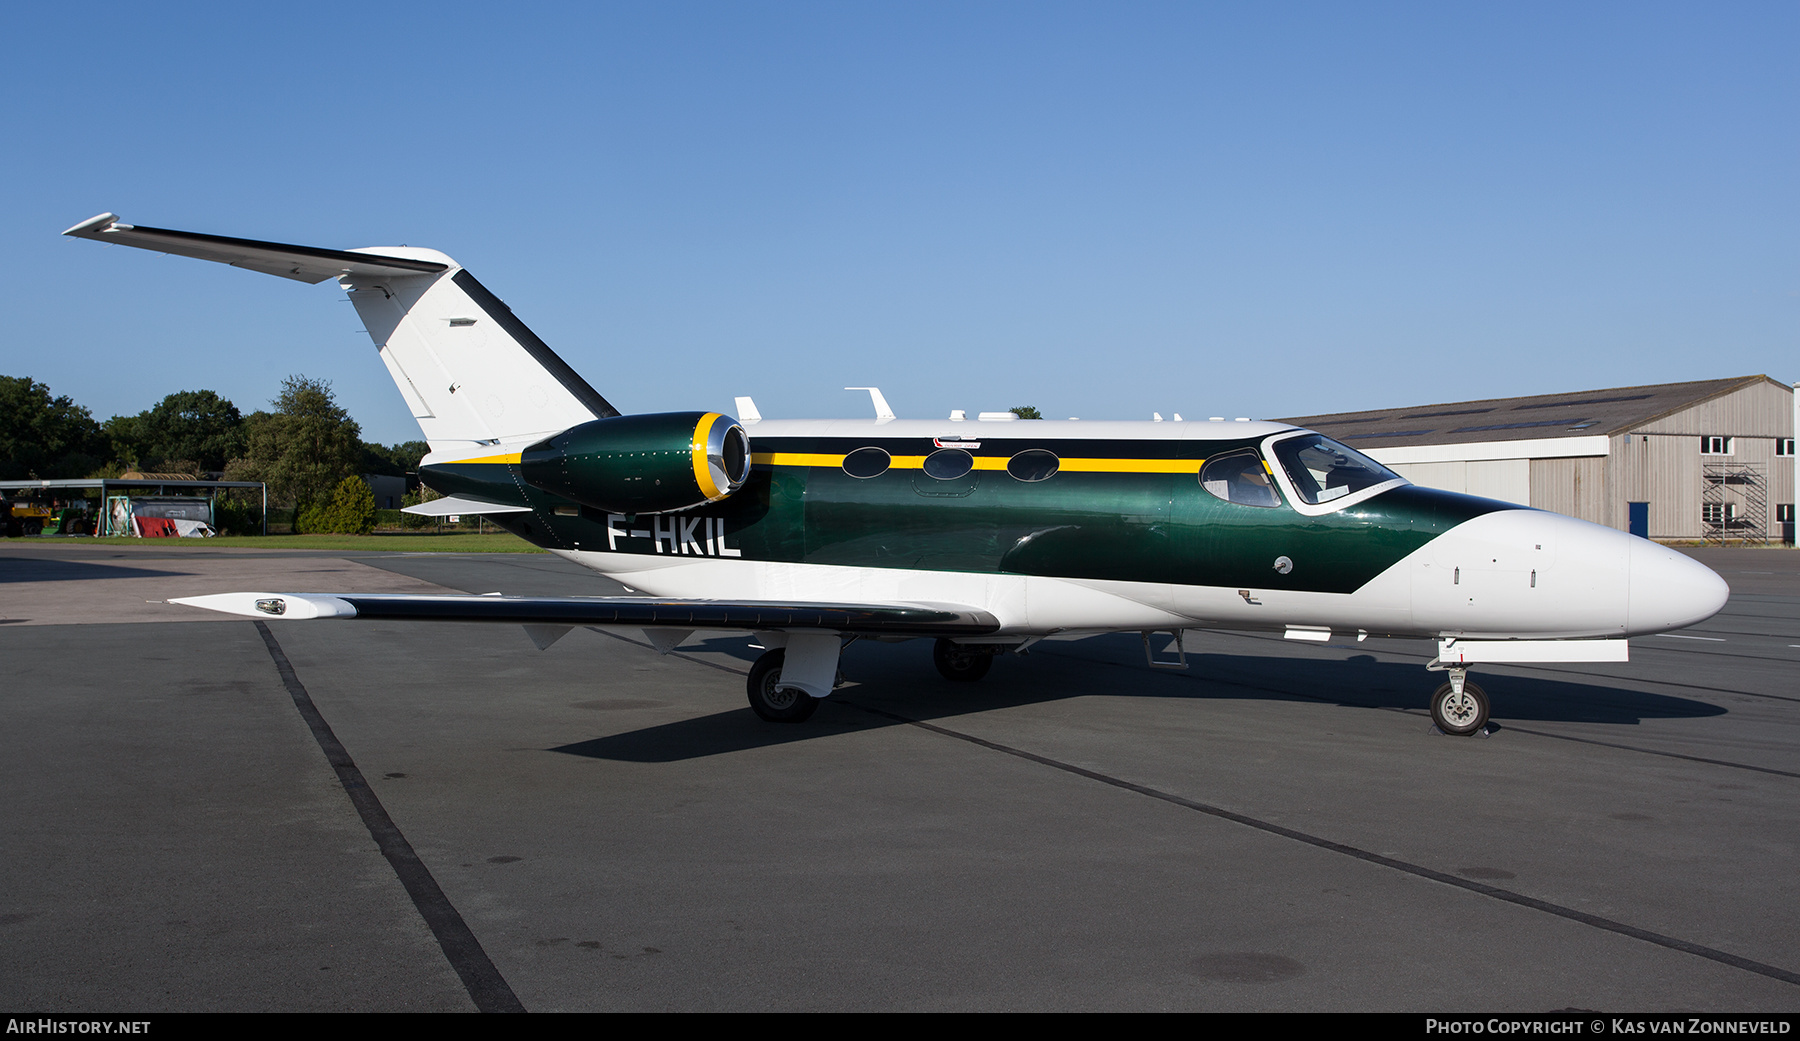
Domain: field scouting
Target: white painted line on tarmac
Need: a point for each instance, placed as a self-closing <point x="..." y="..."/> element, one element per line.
<point x="1708" y="639"/>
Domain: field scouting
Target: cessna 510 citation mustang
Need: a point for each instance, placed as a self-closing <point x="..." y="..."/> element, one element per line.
<point x="985" y="535"/>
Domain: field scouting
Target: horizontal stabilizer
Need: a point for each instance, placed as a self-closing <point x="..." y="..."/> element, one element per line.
<point x="300" y="263"/>
<point x="456" y="506"/>
<point x="918" y="619"/>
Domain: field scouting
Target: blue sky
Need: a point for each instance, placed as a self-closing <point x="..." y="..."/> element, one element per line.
<point x="1101" y="209"/>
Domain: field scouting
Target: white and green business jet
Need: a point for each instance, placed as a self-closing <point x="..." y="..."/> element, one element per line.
<point x="984" y="534"/>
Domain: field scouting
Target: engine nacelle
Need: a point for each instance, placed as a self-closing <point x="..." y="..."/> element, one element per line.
<point x="655" y="463"/>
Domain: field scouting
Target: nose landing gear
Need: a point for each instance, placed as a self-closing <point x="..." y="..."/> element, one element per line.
<point x="1460" y="708"/>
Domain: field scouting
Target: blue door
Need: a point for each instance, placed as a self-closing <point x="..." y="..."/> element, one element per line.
<point x="1640" y="519"/>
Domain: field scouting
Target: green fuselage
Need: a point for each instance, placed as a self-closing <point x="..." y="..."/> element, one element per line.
<point x="1119" y="523"/>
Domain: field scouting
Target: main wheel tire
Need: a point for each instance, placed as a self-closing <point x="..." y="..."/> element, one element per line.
<point x="772" y="702"/>
<point x="1460" y="715"/>
<point x="959" y="663"/>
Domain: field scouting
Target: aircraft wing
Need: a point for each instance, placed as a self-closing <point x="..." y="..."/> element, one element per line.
<point x="300" y="263"/>
<point x="898" y="619"/>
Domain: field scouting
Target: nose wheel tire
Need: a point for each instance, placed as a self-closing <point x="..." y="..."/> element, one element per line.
<point x="955" y="662"/>
<point x="769" y="699"/>
<point x="1460" y="714"/>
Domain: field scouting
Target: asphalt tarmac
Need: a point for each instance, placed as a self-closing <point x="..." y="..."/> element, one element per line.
<point x="220" y="815"/>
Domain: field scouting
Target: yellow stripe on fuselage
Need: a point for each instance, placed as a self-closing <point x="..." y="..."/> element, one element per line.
<point x="992" y="462"/>
<point x="1130" y="466"/>
<point x="795" y="459"/>
<point x="503" y="458"/>
<point x="912" y="462"/>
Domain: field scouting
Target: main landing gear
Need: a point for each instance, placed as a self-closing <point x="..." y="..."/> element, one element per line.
<point x="962" y="664"/>
<point x="810" y="660"/>
<point x="1460" y="708"/>
<point x="769" y="699"/>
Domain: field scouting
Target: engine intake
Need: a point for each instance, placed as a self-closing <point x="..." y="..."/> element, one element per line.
<point x="656" y="463"/>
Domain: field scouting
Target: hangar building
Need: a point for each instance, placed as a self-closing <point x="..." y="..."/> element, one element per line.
<point x="1711" y="460"/>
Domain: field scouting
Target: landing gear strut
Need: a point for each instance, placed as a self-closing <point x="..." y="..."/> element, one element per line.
<point x="1460" y="708"/>
<point x="963" y="664"/>
<point x="769" y="699"/>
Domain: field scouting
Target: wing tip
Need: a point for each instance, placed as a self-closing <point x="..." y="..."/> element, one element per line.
<point x="95" y="225"/>
<point x="271" y="605"/>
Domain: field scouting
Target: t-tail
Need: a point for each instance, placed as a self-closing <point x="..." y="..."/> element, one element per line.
<point x="469" y="370"/>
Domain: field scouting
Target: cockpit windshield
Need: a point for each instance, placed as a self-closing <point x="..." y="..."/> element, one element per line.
<point x="1322" y="470"/>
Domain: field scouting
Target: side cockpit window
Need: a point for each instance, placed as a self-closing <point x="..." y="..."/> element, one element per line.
<point x="1323" y="470"/>
<point x="1240" y="477"/>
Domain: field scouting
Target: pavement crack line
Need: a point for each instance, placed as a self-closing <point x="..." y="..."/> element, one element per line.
<point x="1653" y="751"/>
<point x="1417" y="870"/>
<point x="1221" y="681"/>
<point x="1314" y="697"/>
<point x="487" y="988"/>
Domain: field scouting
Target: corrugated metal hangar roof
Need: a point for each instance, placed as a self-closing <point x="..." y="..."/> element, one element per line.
<point x="1614" y="410"/>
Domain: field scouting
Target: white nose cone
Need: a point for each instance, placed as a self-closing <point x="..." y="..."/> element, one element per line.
<point x="1669" y="590"/>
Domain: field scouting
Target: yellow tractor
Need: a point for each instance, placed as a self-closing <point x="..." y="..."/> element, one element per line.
<point x="26" y="517"/>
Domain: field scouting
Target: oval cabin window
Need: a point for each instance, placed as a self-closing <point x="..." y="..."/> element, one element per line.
<point x="947" y="464"/>
<point x="866" y="462"/>
<point x="1033" y="464"/>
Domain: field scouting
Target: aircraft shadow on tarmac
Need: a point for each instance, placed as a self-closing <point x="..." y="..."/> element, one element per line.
<point x="898" y="679"/>
<point x="36" y="569"/>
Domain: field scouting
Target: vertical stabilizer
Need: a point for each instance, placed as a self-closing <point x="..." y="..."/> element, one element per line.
<point x="470" y="371"/>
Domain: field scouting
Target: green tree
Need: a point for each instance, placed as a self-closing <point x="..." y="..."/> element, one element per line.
<point x="238" y="512"/>
<point x="311" y="519"/>
<point x="45" y="437"/>
<point x="1026" y="412"/>
<point x="393" y="460"/>
<point x="350" y="512"/>
<point x="189" y="426"/>
<point x="304" y="448"/>
<point x="125" y="435"/>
